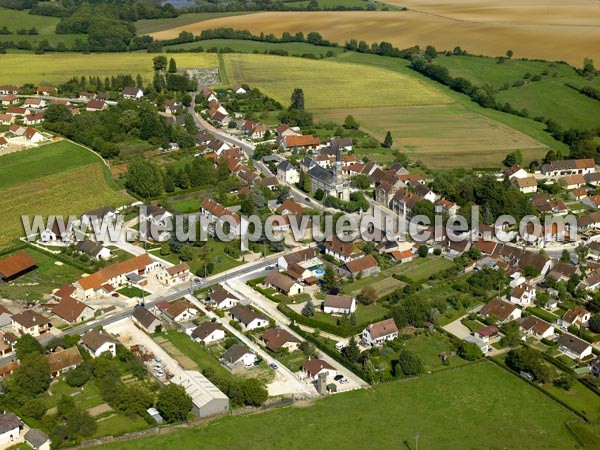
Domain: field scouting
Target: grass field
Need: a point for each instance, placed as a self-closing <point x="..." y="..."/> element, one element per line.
<point x="45" y="25"/>
<point x="32" y="164"/>
<point x="470" y="407"/>
<point x="556" y="41"/>
<point x="50" y="274"/>
<point x="328" y="84"/>
<point x="246" y="46"/>
<point x="60" y="67"/>
<point x="420" y="269"/>
<point x="554" y="100"/>
<point x="52" y="185"/>
<point x="550" y="98"/>
<point x="441" y="136"/>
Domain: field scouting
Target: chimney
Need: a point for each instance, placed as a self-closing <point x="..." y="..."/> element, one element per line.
<point x="309" y="357"/>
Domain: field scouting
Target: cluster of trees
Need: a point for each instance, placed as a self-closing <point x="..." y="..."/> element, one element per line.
<point x="357" y="202"/>
<point x="241" y="391"/>
<point x="110" y="84"/>
<point x="103" y="130"/>
<point x="494" y="198"/>
<point x="530" y="361"/>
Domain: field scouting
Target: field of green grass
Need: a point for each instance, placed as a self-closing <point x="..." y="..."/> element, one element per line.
<point x="328" y="84"/>
<point x="45" y="25"/>
<point x="422" y="268"/>
<point x="479" y="406"/>
<point x="441" y="135"/>
<point x="60" y="67"/>
<point x="550" y="97"/>
<point x="21" y="167"/>
<point x="245" y="46"/>
<point x="49" y="275"/>
<point x="52" y="184"/>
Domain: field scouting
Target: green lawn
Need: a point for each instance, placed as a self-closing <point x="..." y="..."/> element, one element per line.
<point x="29" y="165"/>
<point x="119" y="424"/>
<point x="429" y="346"/>
<point x="579" y="398"/>
<point x="45" y="25"/>
<point x="422" y="268"/>
<point x="132" y="291"/>
<point x="196" y="353"/>
<point x="50" y="274"/>
<point x="88" y="396"/>
<point x="355" y="286"/>
<point x="213" y="251"/>
<point x="480" y="406"/>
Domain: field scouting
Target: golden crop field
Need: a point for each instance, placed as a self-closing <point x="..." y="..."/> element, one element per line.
<point x="69" y="192"/>
<point x="444" y="136"/>
<point x="60" y="67"/>
<point x="551" y="34"/>
<point x="328" y="84"/>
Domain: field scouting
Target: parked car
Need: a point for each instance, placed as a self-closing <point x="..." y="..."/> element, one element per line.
<point x="273" y="366"/>
<point x="338" y="377"/>
<point x="269" y="267"/>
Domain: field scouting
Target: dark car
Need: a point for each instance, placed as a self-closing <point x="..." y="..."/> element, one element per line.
<point x="273" y="366"/>
<point x="338" y="377"/>
<point x="308" y="199"/>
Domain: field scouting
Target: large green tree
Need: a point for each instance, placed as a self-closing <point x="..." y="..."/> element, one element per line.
<point x="144" y="178"/>
<point x="173" y="403"/>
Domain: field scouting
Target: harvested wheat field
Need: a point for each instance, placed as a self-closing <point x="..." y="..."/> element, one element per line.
<point x="571" y="41"/>
<point x="329" y="84"/>
<point x="443" y="136"/>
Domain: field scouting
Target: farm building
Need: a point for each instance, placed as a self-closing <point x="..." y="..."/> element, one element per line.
<point x="16" y="265"/>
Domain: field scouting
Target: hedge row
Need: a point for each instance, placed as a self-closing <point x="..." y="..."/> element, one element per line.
<point x="16" y="248"/>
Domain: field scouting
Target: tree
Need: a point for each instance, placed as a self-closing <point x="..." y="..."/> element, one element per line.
<point x="509" y="54"/>
<point x="173" y="403"/>
<point x="594" y="323"/>
<point x="144" y="178"/>
<point x="172" y="66"/>
<point x="360" y="181"/>
<point x="79" y="375"/>
<point x="368" y="294"/>
<point x="565" y="256"/>
<point x="351" y="351"/>
<point x="80" y="423"/>
<point x="469" y="351"/>
<point x="57" y="113"/>
<point x="423" y="251"/>
<point x="351" y="123"/>
<point x="388" y="141"/>
<point x="33" y="375"/>
<point x="26" y="345"/>
<point x="308" y="348"/>
<point x="34" y="408"/>
<point x="513" y="159"/>
<point x="319" y="194"/>
<point x="530" y="361"/>
<point x="328" y="281"/>
<point x="424" y="208"/>
<point x="565" y="381"/>
<point x="410" y="363"/>
<point x="253" y="392"/>
<point x="297" y="100"/>
<point x="581" y="251"/>
<point x="309" y="309"/>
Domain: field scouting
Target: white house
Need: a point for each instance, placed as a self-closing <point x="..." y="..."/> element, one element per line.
<point x="98" y="342"/>
<point x="93" y="249"/>
<point x="339" y="304"/>
<point x="37" y="439"/>
<point x="178" y="311"/>
<point x="574" y="347"/>
<point x="248" y="317"/>
<point x="312" y="367"/>
<point x="239" y="90"/>
<point x="222" y="299"/>
<point x="132" y="93"/>
<point x="10" y="430"/>
<point x="287" y="173"/>
<point x="170" y="276"/>
<point x="208" y="332"/>
<point x="523" y="295"/>
<point x="30" y="322"/>
<point x="536" y="327"/>
<point x="58" y="232"/>
<point x="237" y="355"/>
<point x="574" y="317"/>
<point x="501" y="310"/>
<point x="96" y="216"/>
<point x="145" y="320"/>
<point x="379" y="332"/>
